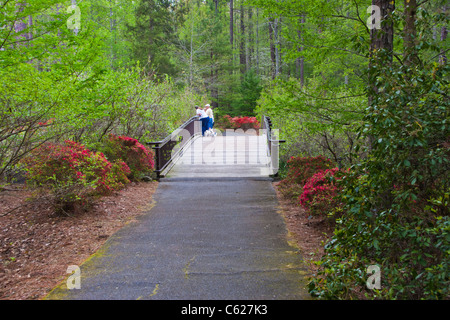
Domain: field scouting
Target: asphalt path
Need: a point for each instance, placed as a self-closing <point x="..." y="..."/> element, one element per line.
<point x="204" y="239"/>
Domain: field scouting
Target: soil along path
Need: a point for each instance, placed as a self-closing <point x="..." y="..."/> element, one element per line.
<point x="205" y="239"/>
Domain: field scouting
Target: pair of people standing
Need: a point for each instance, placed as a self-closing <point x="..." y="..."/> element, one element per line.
<point x="207" y="118"/>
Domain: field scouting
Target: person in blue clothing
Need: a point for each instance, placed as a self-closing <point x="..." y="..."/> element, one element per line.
<point x="210" y="114"/>
<point x="203" y="118"/>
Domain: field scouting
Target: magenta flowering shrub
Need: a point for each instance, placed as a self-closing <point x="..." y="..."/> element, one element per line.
<point x="300" y="169"/>
<point x="73" y="175"/>
<point x="240" y="122"/>
<point x="303" y="168"/>
<point x="320" y="191"/>
<point x="139" y="158"/>
<point x="313" y="182"/>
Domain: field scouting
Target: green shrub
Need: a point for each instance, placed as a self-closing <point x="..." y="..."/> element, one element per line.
<point x="397" y="200"/>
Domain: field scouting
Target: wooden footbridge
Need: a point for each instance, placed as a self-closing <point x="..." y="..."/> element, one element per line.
<point x="186" y="154"/>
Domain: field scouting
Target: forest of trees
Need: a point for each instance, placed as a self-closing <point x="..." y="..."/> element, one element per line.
<point x="362" y="82"/>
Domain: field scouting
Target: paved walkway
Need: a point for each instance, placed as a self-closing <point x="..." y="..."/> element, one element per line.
<point x="209" y="238"/>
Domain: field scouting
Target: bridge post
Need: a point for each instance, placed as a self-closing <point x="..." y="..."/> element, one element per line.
<point x="157" y="149"/>
<point x="273" y="143"/>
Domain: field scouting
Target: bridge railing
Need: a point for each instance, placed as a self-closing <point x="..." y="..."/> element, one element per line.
<point x="273" y="143"/>
<point x="167" y="150"/>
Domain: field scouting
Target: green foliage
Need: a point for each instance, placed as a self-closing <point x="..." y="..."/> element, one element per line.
<point x="314" y="119"/>
<point x="151" y="35"/>
<point x="397" y="199"/>
<point x="250" y="92"/>
<point x="45" y="74"/>
<point x="110" y="20"/>
<point x="58" y="84"/>
<point x="136" y="103"/>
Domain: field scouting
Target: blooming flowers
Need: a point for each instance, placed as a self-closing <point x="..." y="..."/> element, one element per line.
<point x="139" y="158"/>
<point x="314" y="182"/>
<point x="72" y="163"/>
<point x="241" y="122"/>
<point x="320" y="191"/>
<point x="73" y="174"/>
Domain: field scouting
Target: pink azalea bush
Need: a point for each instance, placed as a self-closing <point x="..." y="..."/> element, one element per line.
<point x="240" y="122"/>
<point x="72" y="174"/>
<point x="300" y="169"/>
<point x="320" y="191"/>
<point x="139" y="158"/>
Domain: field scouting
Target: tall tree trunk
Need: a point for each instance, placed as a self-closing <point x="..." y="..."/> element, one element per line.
<point x="20" y="25"/>
<point x="112" y="30"/>
<point x="191" y="57"/>
<point x="444" y="33"/>
<point x="276" y="33"/>
<point x="212" y="83"/>
<point x="257" y="41"/>
<point x="272" y="48"/>
<point x="232" y="35"/>
<point x="214" y="67"/>
<point x="381" y="40"/>
<point x="250" y="38"/>
<point x="410" y="34"/>
<point x="300" y="61"/>
<point x="151" y="27"/>
<point x="231" y="24"/>
<point x="242" y="55"/>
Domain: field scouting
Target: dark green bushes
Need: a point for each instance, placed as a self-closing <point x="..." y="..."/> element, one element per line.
<point x="397" y="200"/>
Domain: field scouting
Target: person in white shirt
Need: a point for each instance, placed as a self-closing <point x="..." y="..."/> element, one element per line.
<point x="210" y="114"/>
<point x="203" y="118"/>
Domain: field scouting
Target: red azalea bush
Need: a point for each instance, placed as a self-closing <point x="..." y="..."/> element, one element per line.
<point x="72" y="174"/>
<point x="300" y="169"/>
<point x="240" y="122"/>
<point x="139" y="158"/>
<point x="320" y="191"/>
